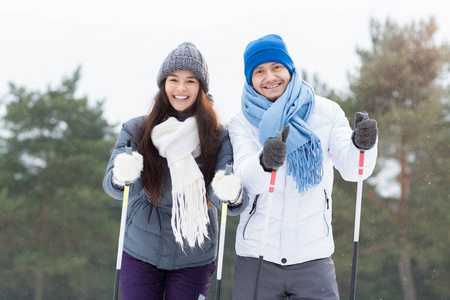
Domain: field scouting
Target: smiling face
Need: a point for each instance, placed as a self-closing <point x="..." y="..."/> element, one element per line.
<point x="270" y="80"/>
<point x="182" y="88"/>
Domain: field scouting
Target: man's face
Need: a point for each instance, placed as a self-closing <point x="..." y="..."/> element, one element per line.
<point x="270" y="80"/>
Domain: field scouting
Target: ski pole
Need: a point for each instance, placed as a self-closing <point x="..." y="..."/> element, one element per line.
<point x="357" y="218"/>
<point x="266" y="225"/>
<point x="123" y="219"/>
<point x="223" y="226"/>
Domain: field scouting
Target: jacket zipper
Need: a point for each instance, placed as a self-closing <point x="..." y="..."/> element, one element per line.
<point x="251" y="213"/>
<point x="327" y="203"/>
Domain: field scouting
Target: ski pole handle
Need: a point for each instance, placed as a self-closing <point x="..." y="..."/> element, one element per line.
<point x="278" y="136"/>
<point x="365" y="116"/>
<point x="128" y="149"/>
<point x="228" y="169"/>
<point x="223" y="226"/>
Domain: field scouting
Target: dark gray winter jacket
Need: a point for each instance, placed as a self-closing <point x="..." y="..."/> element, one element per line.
<point x="148" y="233"/>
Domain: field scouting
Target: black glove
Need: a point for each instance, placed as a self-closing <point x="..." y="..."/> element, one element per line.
<point x="365" y="132"/>
<point x="274" y="151"/>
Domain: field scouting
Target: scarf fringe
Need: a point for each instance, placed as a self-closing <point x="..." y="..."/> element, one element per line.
<point x="305" y="165"/>
<point x="190" y="214"/>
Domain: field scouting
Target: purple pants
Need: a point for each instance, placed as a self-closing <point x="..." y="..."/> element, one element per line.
<point x="142" y="281"/>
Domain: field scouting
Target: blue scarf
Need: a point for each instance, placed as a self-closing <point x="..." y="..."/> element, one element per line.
<point x="304" y="151"/>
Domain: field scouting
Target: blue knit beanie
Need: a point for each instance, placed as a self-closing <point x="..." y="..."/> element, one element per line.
<point x="269" y="48"/>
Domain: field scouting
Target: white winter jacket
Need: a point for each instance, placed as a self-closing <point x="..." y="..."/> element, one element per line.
<point x="300" y="223"/>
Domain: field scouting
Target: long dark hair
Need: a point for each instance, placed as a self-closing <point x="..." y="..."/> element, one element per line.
<point x="208" y="131"/>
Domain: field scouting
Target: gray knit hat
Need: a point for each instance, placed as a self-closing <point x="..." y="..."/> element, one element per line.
<point x="185" y="57"/>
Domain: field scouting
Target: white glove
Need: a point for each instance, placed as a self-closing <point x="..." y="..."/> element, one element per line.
<point x="127" y="168"/>
<point x="227" y="187"/>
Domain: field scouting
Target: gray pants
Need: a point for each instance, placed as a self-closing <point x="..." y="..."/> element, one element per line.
<point x="309" y="280"/>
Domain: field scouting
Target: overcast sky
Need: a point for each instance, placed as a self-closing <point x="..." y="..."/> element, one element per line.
<point x="120" y="45"/>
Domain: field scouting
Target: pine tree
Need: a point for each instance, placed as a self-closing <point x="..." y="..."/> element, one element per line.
<point x="59" y="229"/>
<point x="402" y="84"/>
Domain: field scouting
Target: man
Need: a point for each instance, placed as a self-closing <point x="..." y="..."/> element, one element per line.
<point x="316" y="137"/>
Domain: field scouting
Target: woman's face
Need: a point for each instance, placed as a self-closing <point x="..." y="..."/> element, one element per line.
<point x="182" y="88"/>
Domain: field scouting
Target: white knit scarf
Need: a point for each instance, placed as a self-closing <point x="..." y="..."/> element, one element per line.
<point x="177" y="141"/>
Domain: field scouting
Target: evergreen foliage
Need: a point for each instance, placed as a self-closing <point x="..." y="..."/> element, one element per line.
<point x="403" y="84"/>
<point x="59" y="228"/>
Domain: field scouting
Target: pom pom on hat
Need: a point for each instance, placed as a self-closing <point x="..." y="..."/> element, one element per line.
<point x="185" y="57"/>
<point x="269" y="48"/>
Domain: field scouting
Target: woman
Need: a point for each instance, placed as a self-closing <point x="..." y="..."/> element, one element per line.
<point x="175" y="174"/>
